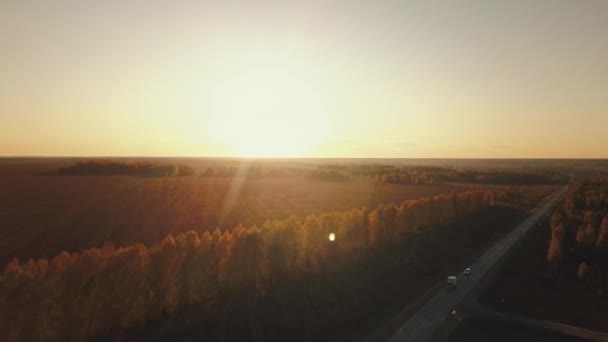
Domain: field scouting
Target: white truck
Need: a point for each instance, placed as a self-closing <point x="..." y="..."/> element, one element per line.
<point x="452" y="281"/>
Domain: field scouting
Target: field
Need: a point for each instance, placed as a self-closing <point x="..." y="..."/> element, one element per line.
<point x="42" y="215"/>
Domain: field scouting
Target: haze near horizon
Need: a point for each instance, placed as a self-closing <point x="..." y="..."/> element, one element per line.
<point x="466" y="79"/>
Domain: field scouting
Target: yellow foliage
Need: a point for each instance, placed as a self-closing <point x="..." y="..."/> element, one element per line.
<point x="104" y="290"/>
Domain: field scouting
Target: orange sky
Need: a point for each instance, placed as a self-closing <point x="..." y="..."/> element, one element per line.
<point x="304" y="78"/>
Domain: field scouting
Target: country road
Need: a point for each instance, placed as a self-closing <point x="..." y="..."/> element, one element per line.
<point x="422" y="324"/>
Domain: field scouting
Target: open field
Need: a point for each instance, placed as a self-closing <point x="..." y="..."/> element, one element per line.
<point x="42" y="215"/>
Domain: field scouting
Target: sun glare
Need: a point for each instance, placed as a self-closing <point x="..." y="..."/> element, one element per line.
<point x="266" y="113"/>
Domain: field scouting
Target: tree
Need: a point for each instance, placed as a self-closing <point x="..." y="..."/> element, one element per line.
<point x="105" y="290"/>
<point x="602" y="238"/>
<point x="586" y="237"/>
<point x="554" y="254"/>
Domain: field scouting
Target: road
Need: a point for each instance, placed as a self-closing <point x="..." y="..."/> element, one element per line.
<point x="422" y="324"/>
<point x="566" y="329"/>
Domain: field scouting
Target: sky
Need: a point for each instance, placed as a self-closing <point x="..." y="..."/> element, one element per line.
<point x="387" y="79"/>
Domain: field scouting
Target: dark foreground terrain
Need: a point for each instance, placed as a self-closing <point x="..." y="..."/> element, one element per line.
<point x="346" y="302"/>
<point x="482" y="330"/>
<point x="562" y="265"/>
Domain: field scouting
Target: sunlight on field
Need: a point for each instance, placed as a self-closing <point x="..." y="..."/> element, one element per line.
<point x="269" y="113"/>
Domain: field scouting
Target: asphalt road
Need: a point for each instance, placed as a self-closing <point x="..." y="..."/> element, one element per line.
<point x="421" y="325"/>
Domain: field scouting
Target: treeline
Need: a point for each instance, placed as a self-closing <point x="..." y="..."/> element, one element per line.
<point x="328" y="175"/>
<point x="101" y="291"/>
<point x="579" y="236"/>
<point x="507" y="177"/>
<point x="411" y="177"/>
<point x="370" y="170"/>
<point x="249" y="171"/>
<point x="259" y="171"/>
<point x="438" y="175"/>
<point x="111" y="168"/>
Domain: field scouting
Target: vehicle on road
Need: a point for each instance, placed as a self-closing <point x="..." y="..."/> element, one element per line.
<point x="452" y="281"/>
<point x="467" y="271"/>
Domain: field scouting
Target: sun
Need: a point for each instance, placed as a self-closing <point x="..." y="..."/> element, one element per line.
<point x="269" y="113"/>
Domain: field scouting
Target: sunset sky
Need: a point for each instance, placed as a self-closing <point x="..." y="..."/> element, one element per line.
<point x="304" y="78"/>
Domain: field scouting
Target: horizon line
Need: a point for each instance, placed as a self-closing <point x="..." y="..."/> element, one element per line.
<point x="301" y="158"/>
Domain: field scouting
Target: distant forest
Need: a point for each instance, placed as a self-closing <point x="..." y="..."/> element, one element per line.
<point x="411" y="175"/>
<point x="249" y="171"/>
<point x="109" y="168"/>
<point x="431" y="176"/>
<point x="258" y="171"/>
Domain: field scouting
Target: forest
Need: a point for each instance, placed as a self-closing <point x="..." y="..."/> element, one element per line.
<point x="579" y="235"/>
<point x="437" y="175"/>
<point x="114" y="168"/>
<point x="410" y="175"/>
<point x="255" y="171"/>
<point x="102" y="291"/>
<point x="563" y="262"/>
<point x="261" y="171"/>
